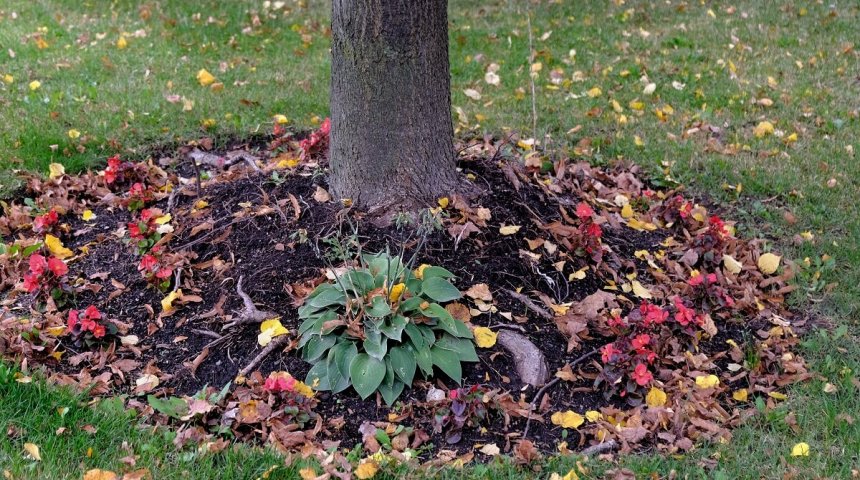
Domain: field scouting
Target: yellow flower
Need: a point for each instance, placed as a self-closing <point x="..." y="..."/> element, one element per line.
<point x="88" y="216"/>
<point x="205" y="78"/>
<point x="484" y="337"/>
<point x="366" y="470"/>
<point x="73" y="134"/>
<point x="121" y="43"/>
<point x="281" y="119"/>
<point x="568" y="419"/>
<point x="55" y="245"/>
<point x="396" y="292"/>
<point x="35" y="85"/>
<point x="8" y="79"/>
<point x="762" y="129"/>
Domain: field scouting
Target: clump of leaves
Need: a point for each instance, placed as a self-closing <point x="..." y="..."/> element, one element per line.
<point x="138" y="195"/>
<point x="88" y="327"/>
<point x="317" y="142"/>
<point x="47" y="222"/>
<point x="378" y="323"/>
<point x="119" y="173"/>
<point x="155" y="269"/>
<point x="147" y="230"/>
<point x="463" y="407"/>
<point x="294" y="399"/>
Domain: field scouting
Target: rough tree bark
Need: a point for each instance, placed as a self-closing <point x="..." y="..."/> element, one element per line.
<point x="391" y="130"/>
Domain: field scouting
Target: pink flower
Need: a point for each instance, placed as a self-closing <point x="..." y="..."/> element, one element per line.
<point x="684" y="315"/>
<point x="92" y="313"/>
<point x="616" y="321"/>
<point x="73" y="319"/>
<point x="31" y="283"/>
<point x="652" y="314"/>
<point x="640" y="341"/>
<point x="454" y="394"/>
<point x="57" y="266"/>
<point x="609" y="352"/>
<point x="44" y="222"/>
<point x="583" y="211"/>
<point x="641" y="375"/>
<point x="594" y="230"/>
<point x="148" y="263"/>
<point x="38" y="264"/>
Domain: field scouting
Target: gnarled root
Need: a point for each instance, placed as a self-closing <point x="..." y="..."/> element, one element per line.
<point x="528" y="359"/>
<point x="276" y="343"/>
<point x="251" y="314"/>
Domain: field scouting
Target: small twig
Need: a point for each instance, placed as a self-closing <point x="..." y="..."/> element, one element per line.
<point x="275" y="344"/>
<point x="250" y="314"/>
<point x="508" y="326"/>
<point x="604" y="447"/>
<point x="208" y="333"/>
<point x="528" y="302"/>
<point x="549" y="385"/>
<point x="199" y="178"/>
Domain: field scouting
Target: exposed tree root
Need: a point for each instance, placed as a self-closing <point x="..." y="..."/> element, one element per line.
<point x="250" y="314"/>
<point x="528" y="302"/>
<point x="528" y="359"/>
<point x="275" y="344"/>
<point x="604" y="447"/>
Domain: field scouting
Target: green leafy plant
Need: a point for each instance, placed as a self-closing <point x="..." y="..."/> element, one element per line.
<point x="379" y="323"/>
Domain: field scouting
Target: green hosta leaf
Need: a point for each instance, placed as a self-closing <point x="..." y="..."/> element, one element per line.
<point x="318" y="375"/>
<point x="317" y="346"/>
<point x="379" y="307"/>
<point x="415" y="335"/>
<point x="465" y="348"/>
<point x="337" y="364"/>
<point x="390" y="393"/>
<point x="326" y="295"/>
<point x="447" y="322"/>
<point x="425" y="361"/>
<point x="439" y="289"/>
<point x="357" y="281"/>
<point x="393" y="328"/>
<point x="404" y="363"/>
<point x="436" y="272"/>
<point x="448" y="361"/>
<point x="374" y="343"/>
<point x="366" y="373"/>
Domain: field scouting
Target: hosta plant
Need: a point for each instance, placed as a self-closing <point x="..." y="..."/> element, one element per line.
<point x="378" y="324"/>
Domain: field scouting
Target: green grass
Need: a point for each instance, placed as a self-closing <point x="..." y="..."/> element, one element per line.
<point x="117" y="100"/>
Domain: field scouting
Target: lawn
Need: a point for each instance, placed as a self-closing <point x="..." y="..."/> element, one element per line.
<point x="752" y="106"/>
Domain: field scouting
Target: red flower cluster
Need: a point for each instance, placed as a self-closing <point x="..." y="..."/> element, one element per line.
<point x="280" y="384"/>
<point x="138" y="195"/>
<point x="317" y="141"/>
<point x="46" y="222"/>
<point x="590" y="231"/>
<point x="44" y="273"/>
<point x="88" y="321"/>
<point x="144" y="232"/>
<point x="154" y="270"/>
<point x="119" y="172"/>
<point x="708" y="291"/>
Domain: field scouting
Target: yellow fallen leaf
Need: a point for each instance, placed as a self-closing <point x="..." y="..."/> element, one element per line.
<point x="33" y="450"/>
<point x="205" y="78"/>
<point x="308" y="473"/>
<point x="509" y="229"/>
<point x="641" y="291"/>
<point x="396" y="292"/>
<point x="571" y="475"/>
<point x="419" y="272"/>
<point x="568" y="419"/>
<point x="443" y="202"/>
<point x="484" y="337"/>
<point x="777" y="395"/>
<point x="366" y="470"/>
<point x="790" y="138"/>
<point x="637" y="224"/>
<point x="732" y="265"/>
<point x="270" y="329"/>
<point x="56" y="170"/>
<point x="55" y="245"/>
<point x="73" y="133"/>
<point x="578" y="275"/>
<point x="167" y="302"/>
<point x="121" y="43"/>
<point x="655" y="397"/>
<point x="593" y="415"/>
<point x="8" y="79"/>
<point x="281" y="119"/>
<point x="594" y="92"/>
<point x="88" y="215"/>
<point x="627" y="211"/>
<point x="800" y="450"/>
<point x="740" y="395"/>
<point x="201" y="204"/>
<point x="35" y="85"/>
<point x="163" y="219"/>
<point x="762" y="129"/>
<point x="98" y="474"/>
<point x="707" y="381"/>
<point x="768" y="263"/>
<point x="637" y="140"/>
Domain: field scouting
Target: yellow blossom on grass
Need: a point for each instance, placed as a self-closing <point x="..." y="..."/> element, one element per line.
<point x="73" y="133"/>
<point x="800" y="450"/>
<point x="205" y="78"/>
<point x="35" y="85"/>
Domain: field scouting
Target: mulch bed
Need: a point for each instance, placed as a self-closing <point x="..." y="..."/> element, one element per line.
<point x="275" y="233"/>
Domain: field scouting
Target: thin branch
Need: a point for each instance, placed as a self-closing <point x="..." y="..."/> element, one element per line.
<point x="528" y="302"/>
<point x="275" y="344"/>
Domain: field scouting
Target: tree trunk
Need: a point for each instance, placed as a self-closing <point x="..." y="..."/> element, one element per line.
<point x="391" y="130"/>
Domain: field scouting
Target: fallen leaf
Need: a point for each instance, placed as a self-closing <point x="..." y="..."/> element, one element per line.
<point x="655" y="397"/>
<point x="33" y="450"/>
<point x="740" y="395"/>
<point x="707" y="381"/>
<point x="484" y="337"/>
<point x="56" y="170"/>
<point x="762" y="129"/>
<point x="98" y="474"/>
<point x="480" y="291"/>
<point x="509" y="229"/>
<point x="88" y="215"/>
<point x="205" y="78"/>
<point x="567" y="419"/>
<point x="366" y="470"/>
<point x="490" y="449"/>
<point x="768" y="263"/>
<point x="270" y="329"/>
<point x="800" y="450"/>
<point x="732" y="265"/>
<point x="56" y="247"/>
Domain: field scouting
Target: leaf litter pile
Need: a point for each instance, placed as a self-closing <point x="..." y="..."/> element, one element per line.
<point x="607" y="314"/>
